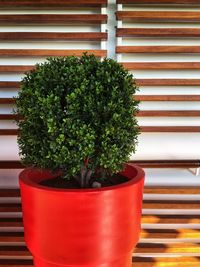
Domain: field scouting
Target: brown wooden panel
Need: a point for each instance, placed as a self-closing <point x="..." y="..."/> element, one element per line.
<point x="178" y="129"/>
<point x="147" y="204"/>
<point x="53" y="19"/>
<point x="15" y="251"/>
<point x="168" y="82"/>
<point x="8" y="131"/>
<point x="166" y="261"/>
<point x="141" y="113"/>
<point x="167" y="97"/>
<point x="158" y="32"/>
<point x="146" y="219"/>
<point x="7" y="101"/>
<point x="46" y="53"/>
<point x="15" y="68"/>
<point x="158" y="49"/>
<point x="170" y="219"/>
<point x="167" y="248"/>
<point x="170" y="233"/>
<point x="11" y="222"/>
<point x="10" y="164"/>
<point x="170" y="204"/>
<point x="169" y="113"/>
<point x="161" y="65"/>
<point x="16" y="263"/>
<point x="161" y="2"/>
<point x="53" y="36"/>
<point x="138" y="97"/>
<point x="10" y="207"/>
<point x="10" y="237"/>
<point x="193" y="190"/>
<point x="172" y="129"/>
<point x="49" y="4"/>
<point x="9" y="85"/>
<point x="9" y="116"/>
<point x="161" y="16"/>
<point x="12" y="192"/>
<point x="167" y="163"/>
<point x="22" y="251"/>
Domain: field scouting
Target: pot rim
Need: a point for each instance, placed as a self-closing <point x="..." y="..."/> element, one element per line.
<point x="24" y="178"/>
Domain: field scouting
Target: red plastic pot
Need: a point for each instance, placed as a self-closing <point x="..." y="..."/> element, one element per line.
<point x="81" y="227"/>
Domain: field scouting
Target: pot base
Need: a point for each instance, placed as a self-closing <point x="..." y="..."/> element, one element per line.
<point x="121" y="262"/>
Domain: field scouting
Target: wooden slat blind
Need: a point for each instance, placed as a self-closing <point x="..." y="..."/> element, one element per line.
<point x="133" y="32"/>
<point x="93" y="20"/>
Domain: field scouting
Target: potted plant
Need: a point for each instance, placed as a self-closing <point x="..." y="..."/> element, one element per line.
<point x="81" y="201"/>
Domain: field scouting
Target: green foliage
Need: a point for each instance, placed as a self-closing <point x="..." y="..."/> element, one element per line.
<point x="76" y="109"/>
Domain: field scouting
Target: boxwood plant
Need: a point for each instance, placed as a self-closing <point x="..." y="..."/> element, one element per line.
<point x="78" y="117"/>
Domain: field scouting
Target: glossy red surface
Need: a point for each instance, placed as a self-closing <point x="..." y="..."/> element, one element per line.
<point x="81" y="227"/>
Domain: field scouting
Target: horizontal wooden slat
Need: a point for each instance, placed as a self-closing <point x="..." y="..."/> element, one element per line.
<point x="49" y="4"/>
<point x="162" y="16"/>
<point x="166" y="261"/>
<point x="15" y="68"/>
<point x="12" y="192"/>
<point x="10" y="237"/>
<point x="146" y="219"/>
<point x="16" y="263"/>
<point x="22" y="251"/>
<point x="140" y="82"/>
<point x="45" y="52"/>
<point x="137" y="262"/>
<point x="14" y="251"/>
<point x="8" y="131"/>
<point x="11" y="222"/>
<point x="158" y="49"/>
<point x="168" y="82"/>
<point x="10" y="207"/>
<point x="9" y="116"/>
<point x="178" y="129"/>
<point x="53" y="19"/>
<point x="168" y="113"/>
<point x="194" y="190"/>
<point x="166" y="163"/>
<point x="53" y="36"/>
<point x="147" y="233"/>
<point x="166" y="248"/>
<point x="7" y="101"/>
<point x="167" y="97"/>
<point x="174" y="129"/>
<point x="170" y="219"/>
<point x="9" y="164"/>
<point x="9" y="85"/>
<point x="141" y="113"/>
<point x="161" y="65"/>
<point x="168" y="204"/>
<point x="147" y="204"/>
<point x="158" y="32"/>
<point x="159" y="2"/>
<point x="170" y="233"/>
<point x="188" y="163"/>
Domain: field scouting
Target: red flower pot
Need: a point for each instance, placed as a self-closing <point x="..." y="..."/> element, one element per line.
<point x="81" y="227"/>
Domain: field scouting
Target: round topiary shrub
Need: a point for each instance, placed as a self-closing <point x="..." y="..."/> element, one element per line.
<point x="78" y="116"/>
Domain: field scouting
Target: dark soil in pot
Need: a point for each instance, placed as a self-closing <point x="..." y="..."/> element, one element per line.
<point x="60" y="182"/>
